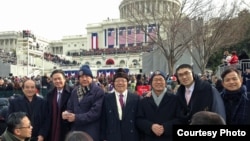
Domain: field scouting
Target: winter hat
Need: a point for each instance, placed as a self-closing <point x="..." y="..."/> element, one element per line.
<point x="120" y="72"/>
<point x="157" y="73"/>
<point x="85" y="70"/>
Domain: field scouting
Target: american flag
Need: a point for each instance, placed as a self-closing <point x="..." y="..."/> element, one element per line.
<point x="94" y="40"/>
<point x="139" y="35"/>
<point x="122" y="35"/>
<point x="131" y="35"/>
<point x="111" y="37"/>
<point x="151" y="32"/>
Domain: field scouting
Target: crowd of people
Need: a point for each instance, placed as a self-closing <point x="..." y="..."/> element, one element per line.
<point x="111" y="109"/>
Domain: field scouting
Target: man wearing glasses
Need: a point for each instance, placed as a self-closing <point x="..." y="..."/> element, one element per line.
<point x="196" y="95"/>
<point x="18" y="128"/>
<point x="119" y="111"/>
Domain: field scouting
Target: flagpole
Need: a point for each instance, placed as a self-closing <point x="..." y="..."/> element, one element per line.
<point x="28" y="56"/>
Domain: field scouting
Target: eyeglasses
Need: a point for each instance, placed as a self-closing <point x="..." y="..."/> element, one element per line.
<point x="25" y="127"/>
<point x="186" y="73"/>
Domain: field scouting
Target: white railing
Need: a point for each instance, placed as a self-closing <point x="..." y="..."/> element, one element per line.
<point x="242" y="66"/>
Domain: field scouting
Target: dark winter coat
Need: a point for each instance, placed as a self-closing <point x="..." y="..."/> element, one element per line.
<point x="55" y="114"/>
<point x="87" y="111"/>
<point x="37" y="112"/>
<point x="165" y="114"/>
<point x="205" y="97"/>
<point x="114" y="129"/>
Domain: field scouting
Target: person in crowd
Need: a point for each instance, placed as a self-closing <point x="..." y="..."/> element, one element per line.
<point x="2" y="85"/>
<point x="235" y="98"/>
<point x="35" y="107"/>
<point x="196" y="95"/>
<point x="9" y="85"/>
<point x="226" y="58"/>
<point x="44" y="81"/>
<point x="78" y="136"/>
<point x="157" y="112"/>
<point x="4" y="104"/>
<point x="243" y="55"/>
<point x="19" y="128"/>
<point x="57" y="100"/>
<point x="85" y="105"/>
<point x="217" y="83"/>
<point x="234" y="60"/>
<point x="123" y="103"/>
<point x="246" y="79"/>
<point x="205" y="78"/>
<point x="207" y="118"/>
<point x="244" y="59"/>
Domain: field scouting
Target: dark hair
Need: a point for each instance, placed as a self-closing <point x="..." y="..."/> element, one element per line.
<point x="58" y="71"/>
<point x="227" y="71"/>
<point x="207" y="118"/>
<point x="78" y="136"/>
<point x="234" y="53"/>
<point x="182" y="66"/>
<point x="14" y="120"/>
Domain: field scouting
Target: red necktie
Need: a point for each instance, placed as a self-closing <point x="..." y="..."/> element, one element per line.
<point x="121" y="100"/>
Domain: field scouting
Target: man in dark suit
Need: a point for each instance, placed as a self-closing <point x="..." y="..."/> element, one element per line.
<point x="57" y="100"/>
<point x="36" y="109"/>
<point x="119" y="111"/>
<point x="157" y="112"/>
<point x="196" y="95"/>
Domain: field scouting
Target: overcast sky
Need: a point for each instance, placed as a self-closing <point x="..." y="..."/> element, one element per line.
<point x="53" y="19"/>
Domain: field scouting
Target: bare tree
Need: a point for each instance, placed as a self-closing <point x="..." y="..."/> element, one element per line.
<point x="217" y="28"/>
<point x="172" y="20"/>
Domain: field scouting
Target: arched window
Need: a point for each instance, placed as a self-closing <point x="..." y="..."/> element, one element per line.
<point x="86" y="63"/>
<point x="110" y="62"/>
<point x="122" y="62"/>
<point x="98" y="63"/>
<point x="135" y="62"/>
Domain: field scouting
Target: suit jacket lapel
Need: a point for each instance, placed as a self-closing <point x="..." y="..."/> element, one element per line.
<point x="127" y="107"/>
<point x="114" y="105"/>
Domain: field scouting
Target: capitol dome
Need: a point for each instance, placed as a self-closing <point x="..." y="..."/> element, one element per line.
<point x="131" y="8"/>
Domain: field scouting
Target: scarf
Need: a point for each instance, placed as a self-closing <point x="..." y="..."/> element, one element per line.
<point x="236" y="105"/>
<point x="81" y="91"/>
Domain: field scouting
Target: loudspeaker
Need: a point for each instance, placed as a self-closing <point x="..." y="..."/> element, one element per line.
<point x="140" y="70"/>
